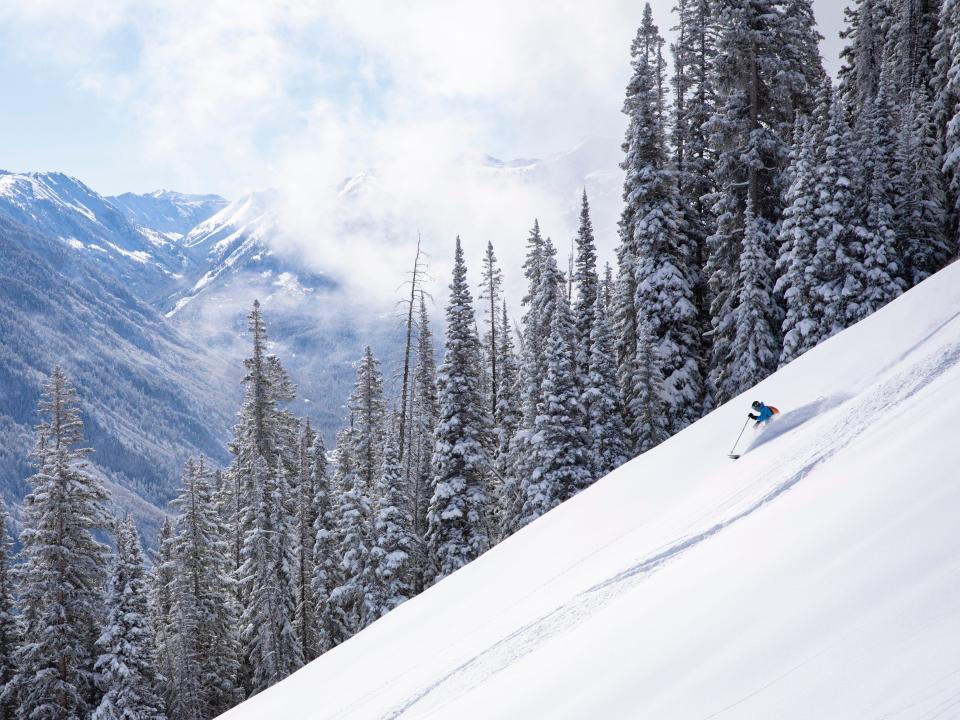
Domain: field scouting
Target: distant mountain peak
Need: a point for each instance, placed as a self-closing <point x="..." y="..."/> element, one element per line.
<point x="168" y="212"/>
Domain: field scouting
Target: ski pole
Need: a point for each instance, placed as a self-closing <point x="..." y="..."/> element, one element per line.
<point x="739" y="436"/>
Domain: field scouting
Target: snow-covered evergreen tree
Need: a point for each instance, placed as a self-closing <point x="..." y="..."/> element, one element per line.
<point x="650" y="425"/>
<point x="368" y="408"/>
<point x="561" y="462"/>
<point x="693" y="158"/>
<point x="264" y="431"/>
<point x="508" y="417"/>
<point x="305" y="519"/>
<point x="535" y="330"/>
<point x="355" y="602"/>
<point x="657" y="257"/>
<point x="491" y="293"/>
<point x="162" y="616"/>
<point x="326" y="561"/>
<point x="881" y="261"/>
<point x="946" y="85"/>
<point x="838" y="259"/>
<point x="920" y="214"/>
<point x="910" y="42"/>
<point x="603" y="402"/>
<point x="126" y="664"/>
<point x="203" y="601"/>
<point x="801" y="65"/>
<point x="267" y="624"/>
<point x="393" y="541"/>
<point x="754" y="350"/>
<point x="867" y="25"/>
<point x="420" y="458"/>
<point x="9" y="630"/>
<point x="458" y="515"/>
<point x="695" y="100"/>
<point x="765" y="74"/>
<point x="544" y="293"/>
<point x="643" y="107"/>
<point x="61" y="576"/>
<point x="588" y="288"/>
<point x="796" y="281"/>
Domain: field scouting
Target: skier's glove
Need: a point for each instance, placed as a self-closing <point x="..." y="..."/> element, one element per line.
<point x="752" y="416"/>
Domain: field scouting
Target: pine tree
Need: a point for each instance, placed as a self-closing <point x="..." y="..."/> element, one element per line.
<point x="768" y="71"/>
<point x="368" y="409"/>
<point x="544" y="294"/>
<point x="649" y="427"/>
<point x="588" y="289"/>
<point x="63" y="566"/>
<point x="881" y="261"/>
<point x="264" y="431"/>
<point x="920" y="214"/>
<point x="644" y="108"/>
<point x="603" y="401"/>
<point x="163" y="620"/>
<point x="355" y="601"/>
<point x="534" y="329"/>
<point x="305" y="521"/>
<point x="801" y="65"/>
<point x="9" y="630"/>
<point x="125" y="663"/>
<point x="797" y="283"/>
<point x="393" y="545"/>
<point x="946" y="85"/>
<point x="910" y="41"/>
<point x="867" y="25"/>
<point x="658" y="259"/>
<point x="838" y="259"/>
<point x="561" y="464"/>
<point x="508" y="417"/>
<point x="326" y="576"/>
<point x="202" y="599"/>
<point x="420" y="458"/>
<point x="694" y="54"/>
<point x="266" y="576"/>
<point x="693" y="57"/>
<point x="754" y="346"/>
<point x="458" y="514"/>
<point x="491" y="291"/>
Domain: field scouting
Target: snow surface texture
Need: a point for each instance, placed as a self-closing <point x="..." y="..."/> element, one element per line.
<point x="816" y="577"/>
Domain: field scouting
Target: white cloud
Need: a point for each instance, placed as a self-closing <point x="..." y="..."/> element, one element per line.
<point x="232" y="95"/>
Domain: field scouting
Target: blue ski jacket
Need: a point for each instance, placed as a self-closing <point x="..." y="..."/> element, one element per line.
<point x="763" y="414"/>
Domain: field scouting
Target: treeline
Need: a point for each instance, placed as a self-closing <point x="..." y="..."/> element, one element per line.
<point x="765" y="209"/>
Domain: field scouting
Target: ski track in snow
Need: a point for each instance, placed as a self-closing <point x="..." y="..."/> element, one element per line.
<point x="859" y="414"/>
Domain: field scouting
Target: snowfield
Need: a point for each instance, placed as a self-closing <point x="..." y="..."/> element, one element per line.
<point x="816" y="577"/>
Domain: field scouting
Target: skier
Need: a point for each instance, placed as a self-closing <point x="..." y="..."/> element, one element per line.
<point x="764" y="413"/>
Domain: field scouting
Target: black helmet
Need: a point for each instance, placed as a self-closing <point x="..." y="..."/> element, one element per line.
<point x="756" y="404"/>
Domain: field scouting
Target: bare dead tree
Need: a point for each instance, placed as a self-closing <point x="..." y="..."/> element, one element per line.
<point x="416" y="278"/>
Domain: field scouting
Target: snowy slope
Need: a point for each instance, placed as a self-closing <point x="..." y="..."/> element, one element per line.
<point x="63" y="207"/>
<point x="816" y="577"/>
<point x="170" y="213"/>
<point x="151" y="396"/>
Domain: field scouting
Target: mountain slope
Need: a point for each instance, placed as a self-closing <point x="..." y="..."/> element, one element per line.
<point x="817" y="576"/>
<point x="64" y="208"/>
<point x="150" y="396"/>
<point x="170" y="213"/>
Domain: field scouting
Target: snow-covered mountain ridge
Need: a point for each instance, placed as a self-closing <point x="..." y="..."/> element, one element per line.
<point x="154" y="288"/>
<point x="168" y="212"/>
<point x="816" y="576"/>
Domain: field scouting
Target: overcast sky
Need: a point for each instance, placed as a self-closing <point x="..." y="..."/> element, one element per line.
<point x="227" y="95"/>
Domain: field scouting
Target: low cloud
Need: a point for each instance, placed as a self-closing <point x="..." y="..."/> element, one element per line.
<point x="236" y="95"/>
